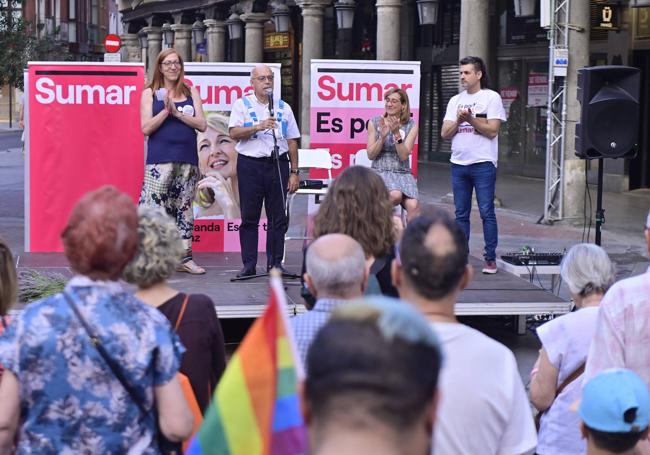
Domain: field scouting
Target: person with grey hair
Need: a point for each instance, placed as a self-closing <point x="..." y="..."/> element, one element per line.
<point x="193" y="316"/>
<point x="336" y="273"/>
<point x="555" y="383"/>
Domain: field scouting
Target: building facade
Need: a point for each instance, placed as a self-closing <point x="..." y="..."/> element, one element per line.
<point x="505" y="33"/>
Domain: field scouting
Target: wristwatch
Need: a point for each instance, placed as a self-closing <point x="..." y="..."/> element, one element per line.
<point x="398" y="139"/>
<point x="295" y="171"/>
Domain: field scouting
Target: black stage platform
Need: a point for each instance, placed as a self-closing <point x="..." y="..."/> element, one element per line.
<point x="500" y="294"/>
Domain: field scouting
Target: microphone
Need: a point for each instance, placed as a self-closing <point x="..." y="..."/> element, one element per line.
<point x="269" y="93"/>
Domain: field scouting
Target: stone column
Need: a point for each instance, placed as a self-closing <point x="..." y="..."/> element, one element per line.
<point x="312" y="48"/>
<point x="388" y="22"/>
<point x="183" y="41"/>
<point x="254" y="41"/>
<point x="573" y="181"/>
<point x="131" y="50"/>
<point x="474" y="27"/>
<point x="154" y="46"/>
<point x="216" y="39"/>
<point x="408" y="17"/>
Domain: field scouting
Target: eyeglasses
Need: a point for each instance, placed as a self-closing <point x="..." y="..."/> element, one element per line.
<point x="393" y="101"/>
<point x="170" y="64"/>
<point x="264" y="78"/>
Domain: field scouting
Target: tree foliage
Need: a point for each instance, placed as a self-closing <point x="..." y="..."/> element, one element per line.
<point x="18" y="45"/>
<point x="15" y="43"/>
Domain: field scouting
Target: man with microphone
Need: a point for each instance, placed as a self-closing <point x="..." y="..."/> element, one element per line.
<point x="258" y="122"/>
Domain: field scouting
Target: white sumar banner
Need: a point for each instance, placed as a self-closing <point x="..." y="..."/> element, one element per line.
<point x="346" y="94"/>
<point x="216" y="226"/>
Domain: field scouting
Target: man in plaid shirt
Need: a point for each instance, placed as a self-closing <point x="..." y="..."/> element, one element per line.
<point x="336" y="273"/>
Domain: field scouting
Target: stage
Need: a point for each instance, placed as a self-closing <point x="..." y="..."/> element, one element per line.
<point x="500" y="294"/>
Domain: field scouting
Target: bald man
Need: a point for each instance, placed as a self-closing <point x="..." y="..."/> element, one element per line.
<point x="336" y="273"/>
<point x="263" y="179"/>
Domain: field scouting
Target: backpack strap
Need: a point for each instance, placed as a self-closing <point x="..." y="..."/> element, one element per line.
<point x="180" y="316"/>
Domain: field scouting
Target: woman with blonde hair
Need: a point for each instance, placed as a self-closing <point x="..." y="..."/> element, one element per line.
<point x="217" y="191"/>
<point x="391" y="137"/>
<point x="556" y="378"/>
<point x="170" y="115"/>
<point x="193" y="316"/>
<point x="357" y="204"/>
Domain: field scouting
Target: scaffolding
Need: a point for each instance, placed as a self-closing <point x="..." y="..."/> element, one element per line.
<point x="556" y="110"/>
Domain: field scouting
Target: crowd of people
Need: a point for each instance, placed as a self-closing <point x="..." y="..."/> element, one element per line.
<point x="384" y="375"/>
<point x="389" y="367"/>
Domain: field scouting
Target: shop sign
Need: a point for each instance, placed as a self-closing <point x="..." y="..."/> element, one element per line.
<point x="642" y="29"/>
<point x="537" y="89"/>
<point x="276" y="40"/>
<point x="508" y="96"/>
<point x="607" y="17"/>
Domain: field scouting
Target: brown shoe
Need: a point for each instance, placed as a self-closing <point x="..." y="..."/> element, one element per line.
<point x="190" y="267"/>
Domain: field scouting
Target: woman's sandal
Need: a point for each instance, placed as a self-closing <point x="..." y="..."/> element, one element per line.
<point x="190" y="267"/>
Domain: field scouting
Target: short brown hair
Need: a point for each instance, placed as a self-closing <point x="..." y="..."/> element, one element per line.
<point x="101" y="236"/>
<point x="405" y="116"/>
<point x="8" y="278"/>
<point x="358" y="205"/>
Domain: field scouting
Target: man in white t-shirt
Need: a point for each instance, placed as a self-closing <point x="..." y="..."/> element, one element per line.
<point x="483" y="405"/>
<point x="262" y="178"/>
<point x="472" y="122"/>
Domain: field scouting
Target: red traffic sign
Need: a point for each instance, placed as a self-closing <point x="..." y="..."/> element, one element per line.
<point x="112" y="43"/>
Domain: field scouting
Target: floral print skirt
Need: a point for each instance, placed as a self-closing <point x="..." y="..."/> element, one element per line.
<point x="172" y="186"/>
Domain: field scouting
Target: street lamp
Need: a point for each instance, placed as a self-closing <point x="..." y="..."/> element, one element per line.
<point x="234" y="24"/>
<point x="428" y="11"/>
<point x="345" y="14"/>
<point x="142" y="37"/>
<point x="281" y="18"/>
<point x="524" y="8"/>
<point x="168" y="34"/>
<point x="198" y="31"/>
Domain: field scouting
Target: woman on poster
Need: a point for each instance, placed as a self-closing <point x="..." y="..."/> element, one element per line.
<point x="170" y="114"/>
<point x="391" y="137"/>
<point x="217" y="193"/>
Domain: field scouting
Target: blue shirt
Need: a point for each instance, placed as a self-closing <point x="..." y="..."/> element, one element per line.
<point x="70" y="400"/>
<point x="306" y="326"/>
<point x="173" y="141"/>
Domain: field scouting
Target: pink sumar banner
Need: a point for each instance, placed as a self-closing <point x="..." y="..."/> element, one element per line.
<point x="345" y="95"/>
<point x="216" y="224"/>
<point x="83" y="125"/>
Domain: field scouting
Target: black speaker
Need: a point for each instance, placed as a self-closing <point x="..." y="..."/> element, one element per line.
<point x="609" y="121"/>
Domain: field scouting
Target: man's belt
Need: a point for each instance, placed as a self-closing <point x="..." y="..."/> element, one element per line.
<point x="265" y="159"/>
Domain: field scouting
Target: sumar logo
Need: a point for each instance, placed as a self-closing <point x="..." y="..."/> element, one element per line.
<point x="47" y="91"/>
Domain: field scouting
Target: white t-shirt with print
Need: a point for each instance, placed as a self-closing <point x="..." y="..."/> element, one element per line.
<point x="483" y="404"/>
<point x="468" y="146"/>
<point x="262" y="144"/>
<point x="566" y="341"/>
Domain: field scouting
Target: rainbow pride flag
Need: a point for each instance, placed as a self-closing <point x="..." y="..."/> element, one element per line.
<point x="255" y="408"/>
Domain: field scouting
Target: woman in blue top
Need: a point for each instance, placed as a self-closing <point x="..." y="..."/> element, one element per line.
<point x="391" y="138"/>
<point x="57" y="394"/>
<point x="170" y="114"/>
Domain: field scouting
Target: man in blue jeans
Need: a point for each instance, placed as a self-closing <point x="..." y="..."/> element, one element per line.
<point x="472" y="122"/>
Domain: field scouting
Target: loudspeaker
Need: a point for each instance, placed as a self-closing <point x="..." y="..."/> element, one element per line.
<point x="609" y="121"/>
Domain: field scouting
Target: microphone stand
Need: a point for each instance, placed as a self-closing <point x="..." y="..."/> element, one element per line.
<point x="275" y="153"/>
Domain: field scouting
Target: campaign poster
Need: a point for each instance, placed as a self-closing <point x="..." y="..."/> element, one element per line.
<point x="83" y="132"/>
<point x="217" y="215"/>
<point x="345" y="95"/>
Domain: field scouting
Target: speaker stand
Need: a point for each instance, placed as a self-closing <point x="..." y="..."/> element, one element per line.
<point x="600" y="212"/>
